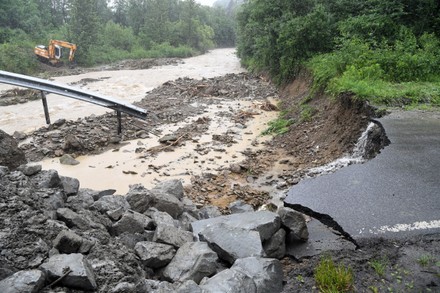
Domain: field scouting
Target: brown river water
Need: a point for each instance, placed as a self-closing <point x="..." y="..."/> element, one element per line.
<point x="119" y="168"/>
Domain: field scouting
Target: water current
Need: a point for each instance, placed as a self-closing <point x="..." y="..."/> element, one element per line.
<point x="356" y="156"/>
<point x="119" y="168"/>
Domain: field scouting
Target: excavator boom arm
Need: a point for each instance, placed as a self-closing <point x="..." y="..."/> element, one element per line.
<point x="63" y="44"/>
<point x="52" y="53"/>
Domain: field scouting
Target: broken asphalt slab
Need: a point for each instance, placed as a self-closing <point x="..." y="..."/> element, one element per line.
<point x="396" y="194"/>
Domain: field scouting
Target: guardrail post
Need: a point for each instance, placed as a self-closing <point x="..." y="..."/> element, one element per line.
<point x="118" y="113"/>
<point x="46" y="110"/>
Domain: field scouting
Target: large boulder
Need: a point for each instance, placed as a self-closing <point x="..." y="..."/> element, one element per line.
<point x="72" y="219"/>
<point x="230" y="281"/>
<point x="173" y="187"/>
<point x="154" y="255"/>
<point x="80" y="274"/>
<point x="70" y="185"/>
<point x="141" y="199"/>
<point x="30" y="169"/>
<point x="172" y="235"/>
<point x="110" y="203"/>
<point x="161" y="218"/>
<point x="47" y="179"/>
<point x="23" y="282"/>
<point x="240" y="206"/>
<point x="193" y="261"/>
<point x="294" y="222"/>
<point x="265" y="272"/>
<point x="10" y="155"/>
<point x="132" y="222"/>
<point x="266" y="223"/>
<point x="70" y="242"/>
<point x="275" y="247"/>
<point x="189" y="286"/>
<point x="232" y="243"/>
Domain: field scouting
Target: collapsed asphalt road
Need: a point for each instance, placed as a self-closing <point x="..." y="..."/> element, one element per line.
<point x="397" y="194"/>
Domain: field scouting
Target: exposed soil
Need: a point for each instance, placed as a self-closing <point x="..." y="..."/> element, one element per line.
<point x="323" y="130"/>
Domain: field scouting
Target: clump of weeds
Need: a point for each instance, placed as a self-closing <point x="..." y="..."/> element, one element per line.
<point x="331" y="277"/>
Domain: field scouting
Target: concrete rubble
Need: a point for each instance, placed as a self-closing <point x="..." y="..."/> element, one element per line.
<point x="55" y="235"/>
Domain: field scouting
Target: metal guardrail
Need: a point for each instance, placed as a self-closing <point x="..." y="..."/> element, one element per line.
<point x="46" y="86"/>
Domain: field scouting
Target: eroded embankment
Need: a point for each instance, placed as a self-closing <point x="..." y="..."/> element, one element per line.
<point x="328" y="133"/>
<point x="324" y="129"/>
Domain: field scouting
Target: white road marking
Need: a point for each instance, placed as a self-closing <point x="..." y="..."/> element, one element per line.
<point x="422" y="225"/>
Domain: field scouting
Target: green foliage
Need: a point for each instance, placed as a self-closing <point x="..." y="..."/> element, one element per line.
<point x="387" y="93"/>
<point x="405" y="73"/>
<point x="426" y="260"/>
<point x="17" y="58"/>
<point x="278" y="126"/>
<point x="332" y="278"/>
<point x="84" y="29"/>
<point x="117" y="37"/>
<point x="384" y="51"/>
<point x="306" y="113"/>
<point x="379" y="266"/>
<point x="166" y="50"/>
<point x="223" y="26"/>
<point x="302" y="37"/>
<point x="127" y="29"/>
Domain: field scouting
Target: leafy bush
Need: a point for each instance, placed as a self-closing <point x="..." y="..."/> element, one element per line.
<point x="405" y="73"/>
<point x="302" y="37"/>
<point x="17" y="58"/>
<point x="118" y="37"/>
<point x="166" y="50"/>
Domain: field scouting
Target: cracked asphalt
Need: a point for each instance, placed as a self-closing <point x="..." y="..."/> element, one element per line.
<point x="396" y="194"/>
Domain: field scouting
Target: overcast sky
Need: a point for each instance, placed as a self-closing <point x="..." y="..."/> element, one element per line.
<point x="206" y="2"/>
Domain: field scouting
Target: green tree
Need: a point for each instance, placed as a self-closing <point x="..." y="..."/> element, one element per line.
<point x="120" y="14"/>
<point x="223" y="25"/>
<point x="84" y="28"/>
<point x="137" y="11"/>
<point x="20" y="14"/>
<point x="117" y="37"/>
<point x="157" y="21"/>
<point x="189" y="22"/>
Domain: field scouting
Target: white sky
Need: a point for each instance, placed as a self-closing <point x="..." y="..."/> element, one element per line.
<point x="206" y="2"/>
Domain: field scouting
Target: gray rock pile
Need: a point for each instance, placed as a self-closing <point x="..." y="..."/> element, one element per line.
<point x="97" y="133"/>
<point x="58" y="237"/>
<point x="10" y="155"/>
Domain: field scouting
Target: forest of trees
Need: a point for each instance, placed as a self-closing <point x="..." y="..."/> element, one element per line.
<point x="106" y="30"/>
<point x="385" y="51"/>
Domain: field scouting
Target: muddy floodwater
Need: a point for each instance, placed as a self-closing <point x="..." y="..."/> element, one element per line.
<point x="127" y="85"/>
<point x="131" y="162"/>
<point x="121" y="167"/>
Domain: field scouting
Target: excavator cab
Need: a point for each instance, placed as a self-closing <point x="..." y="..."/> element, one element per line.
<point x="58" y="52"/>
<point x="54" y="52"/>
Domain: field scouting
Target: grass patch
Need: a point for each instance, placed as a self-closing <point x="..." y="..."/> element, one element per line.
<point x="306" y="113"/>
<point x="402" y="73"/>
<point x="379" y="266"/>
<point x="425" y="260"/>
<point x="331" y="278"/>
<point x="278" y="126"/>
<point x="388" y="93"/>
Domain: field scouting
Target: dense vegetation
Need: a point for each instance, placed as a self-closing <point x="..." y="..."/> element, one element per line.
<point x="384" y="51"/>
<point x="107" y="32"/>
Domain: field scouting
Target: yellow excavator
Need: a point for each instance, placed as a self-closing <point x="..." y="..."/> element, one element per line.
<point x="52" y="54"/>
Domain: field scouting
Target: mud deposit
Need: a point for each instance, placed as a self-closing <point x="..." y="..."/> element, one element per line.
<point x="263" y="171"/>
